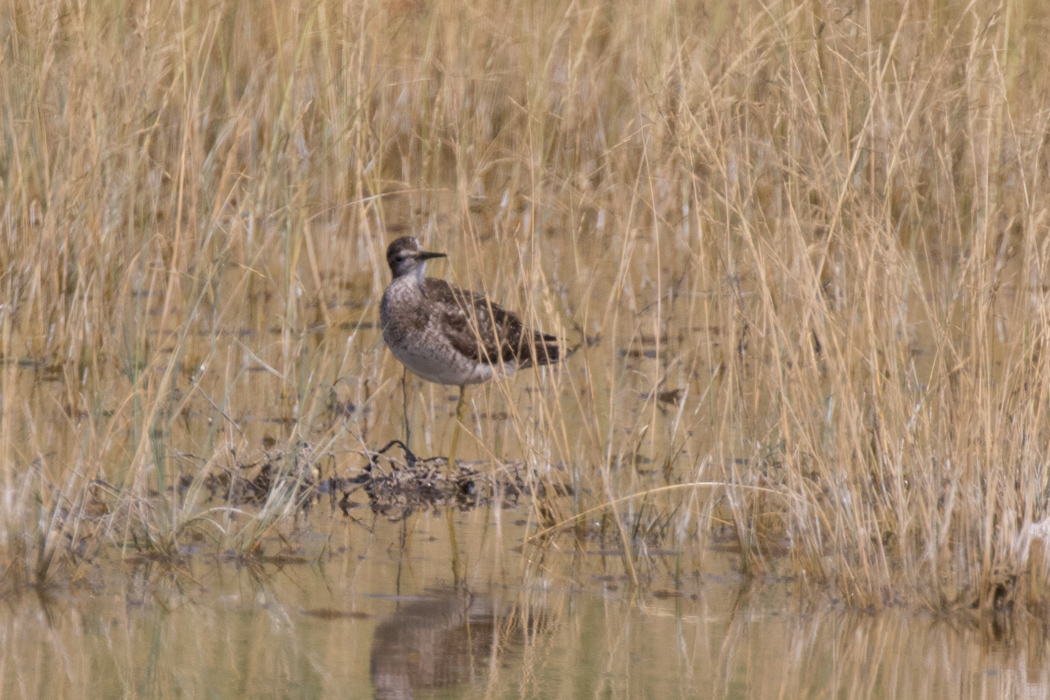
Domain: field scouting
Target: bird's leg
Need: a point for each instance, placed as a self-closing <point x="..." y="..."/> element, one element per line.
<point x="404" y="393"/>
<point x="455" y="432"/>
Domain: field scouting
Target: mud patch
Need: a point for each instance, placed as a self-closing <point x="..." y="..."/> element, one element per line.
<point x="397" y="486"/>
<point x="393" y="482"/>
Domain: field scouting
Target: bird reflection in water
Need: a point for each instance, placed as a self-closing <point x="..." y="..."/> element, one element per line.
<point x="445" y="639"/>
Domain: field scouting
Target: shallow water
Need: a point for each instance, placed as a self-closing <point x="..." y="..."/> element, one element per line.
<point x="365" y="608"/>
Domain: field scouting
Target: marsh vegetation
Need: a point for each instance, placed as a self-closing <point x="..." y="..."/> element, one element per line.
<point x="803" y="247"/>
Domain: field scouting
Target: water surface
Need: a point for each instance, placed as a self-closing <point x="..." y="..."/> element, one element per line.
<point x="367" y="609"/>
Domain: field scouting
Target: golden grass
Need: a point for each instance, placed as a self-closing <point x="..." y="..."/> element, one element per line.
<point x="811" y="239"/>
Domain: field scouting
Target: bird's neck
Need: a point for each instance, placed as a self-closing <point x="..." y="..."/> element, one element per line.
<point x="418" y="275"/>
<point x="410" y="280"/>
<point x="414" y="275"/>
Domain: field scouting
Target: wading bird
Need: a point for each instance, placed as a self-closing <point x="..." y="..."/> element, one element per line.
<point x="449" y="335"/>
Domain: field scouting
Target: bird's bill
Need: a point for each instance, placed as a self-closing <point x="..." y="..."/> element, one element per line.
<point x="425" y="255"/>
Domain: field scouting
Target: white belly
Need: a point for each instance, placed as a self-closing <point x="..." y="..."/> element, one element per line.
<point x="452" y="369"/>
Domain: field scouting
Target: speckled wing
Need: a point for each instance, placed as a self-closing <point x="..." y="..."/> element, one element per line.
<point x="486" y="332"/>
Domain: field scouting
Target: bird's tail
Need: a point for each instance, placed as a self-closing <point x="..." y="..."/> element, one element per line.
<point x="545" y="349"/>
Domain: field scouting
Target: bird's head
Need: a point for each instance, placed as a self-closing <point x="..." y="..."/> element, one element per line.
<point x="406" y="256"/>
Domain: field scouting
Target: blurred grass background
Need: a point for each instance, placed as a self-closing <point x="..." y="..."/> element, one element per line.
<point x="806" y="240"/>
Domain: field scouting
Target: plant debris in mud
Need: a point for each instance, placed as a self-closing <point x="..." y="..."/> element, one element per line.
<point x="393" y="485"/>
<point x="398" y="486"/>
<point x="253" y="481"/>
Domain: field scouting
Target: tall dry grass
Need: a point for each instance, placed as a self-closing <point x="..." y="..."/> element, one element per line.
<point x="807" y="241"/>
